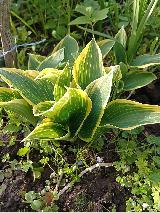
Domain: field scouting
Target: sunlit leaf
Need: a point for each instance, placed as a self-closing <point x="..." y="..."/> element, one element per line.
<point x="127" y="115"/>
<point x="34" y="61"/>
<point x="105" y="46"/>
<point x="121" y="37"/>
<point x="50" y="74"/>
<point x="89" y="65"/>
<point x="33" y="91"/>
<point x="99" y="93"/>
<point x="71" y="48"/>
<point x="8" y="94"/>
<point x="31" y="73"/>
<point x="42" y="107"/>
<point x="21" y="108"/>
<point x="48" y="130"/>
<point x="52" y="61"/>
<point x="62" y="83"/>
<point x="71" y="110"/>
<point x="117" y="75"/>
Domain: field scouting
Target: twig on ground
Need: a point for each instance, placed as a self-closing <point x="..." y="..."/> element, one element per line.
<point x="89" y="169"/>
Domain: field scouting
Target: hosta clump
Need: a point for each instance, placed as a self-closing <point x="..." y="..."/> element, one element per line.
<point x="74" y="101"/>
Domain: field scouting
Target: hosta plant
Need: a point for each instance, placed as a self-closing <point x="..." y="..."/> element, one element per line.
<point x="66" y="100"/>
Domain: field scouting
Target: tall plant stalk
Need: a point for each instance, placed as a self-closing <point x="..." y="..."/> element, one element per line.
<point x="138" y="24"/>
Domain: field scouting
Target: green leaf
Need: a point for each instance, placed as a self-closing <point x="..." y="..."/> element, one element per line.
<point x="145" y="61"/>
<point x="100" y="15"/>
<point x="137" y="79"/>
<point x="62" y="83"/>
<point x="123" y="68"/>
<point x="71" y="48"/>
<point x="34" y="61"/>
<point x="33" y="91"/>
<point x="121" y="37"/>
<point x="8" y="94"/>
<point x="30" y="196"/>
<point x="36" y="205"/>
<point x="120" y="53"/>
<point x="105" y="46"/>
<point x="80" y="20"/>
<point x="99" y="93"/>
<point x="31" y="73"/>
<point x="40" y="108"/>
<point x="48" y="130"/>
<point x="23" y="151"/>
<point x="71" y="110"/>
<point x="52" y="61"/>
<point x="152" y="139"/>
<point x="89" y="65"/>
<point x="117" y="75"/>
<point x="50" y="74"/>
<point x="11" y="128"/>
<point x="135" y="18"/>
<point x="21" y="108"/>
<point x="154" y="177"/>
<point x="82" y="9"/>
<point x="94" y="5"/>
<point x="127" y="115"/>
<point x="120" y="45"/>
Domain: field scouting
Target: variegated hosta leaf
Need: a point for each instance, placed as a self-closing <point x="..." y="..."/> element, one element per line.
<point x="21" y="108"/>
<point x="62" y="83"/>
<point x="137" y="79"/>
<point x="34" y="61"/>
<point x="127" y="115"/>
<point x="50" y="74"/>
<point x="52" y="61"/>
<point x="144" y="61"/>
<point x="120" y="46"/>
<point x="99" y="93"/>
<point x="117" y="75"/>
<point x="33" y="91"/>
<point x="8" y="94"/>
<point x="48" y="130"/>
<point x="71" y="110"/>
<point x="121" y="37"/>
<point x="105" y="46"/>
<point x="88" y="66"/>
<point x="42" y="107"/>
<point x="31" y="73"/>
<point x="71" y="48"/>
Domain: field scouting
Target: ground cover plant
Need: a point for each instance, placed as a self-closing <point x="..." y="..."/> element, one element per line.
<point x="71" y="140"/>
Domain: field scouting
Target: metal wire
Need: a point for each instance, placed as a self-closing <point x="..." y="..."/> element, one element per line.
<point x="15" y="47"/>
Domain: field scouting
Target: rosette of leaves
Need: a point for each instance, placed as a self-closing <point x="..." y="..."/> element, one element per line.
<point x="76" y="101"/>
<point x="91" y="13"/>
